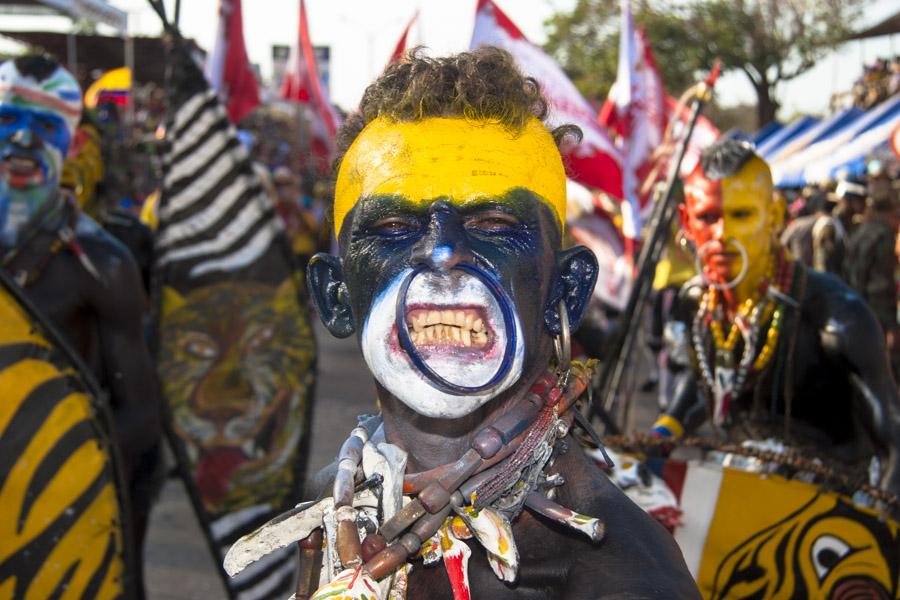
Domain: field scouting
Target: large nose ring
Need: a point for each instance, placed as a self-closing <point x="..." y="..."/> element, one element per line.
<point x="435" y="379"/>
<point x="730" y="284"/>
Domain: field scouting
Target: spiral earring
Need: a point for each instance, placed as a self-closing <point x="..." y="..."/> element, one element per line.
<point x="562" y="343"/>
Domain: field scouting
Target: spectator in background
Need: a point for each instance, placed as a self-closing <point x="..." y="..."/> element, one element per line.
<point x="871" y="264"/>
<point x="851" y="204"/>
<point x="299" y="222"/>
<point x="817" y="239"/>
<point x="894" y="81"/>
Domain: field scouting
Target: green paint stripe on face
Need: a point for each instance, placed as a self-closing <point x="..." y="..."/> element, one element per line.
<point x="21" y="102"/>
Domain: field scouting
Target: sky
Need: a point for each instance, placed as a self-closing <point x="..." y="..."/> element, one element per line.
<point x="362" y="34"/>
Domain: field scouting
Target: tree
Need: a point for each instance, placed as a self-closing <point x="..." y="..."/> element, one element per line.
<point x="770" y="41"/>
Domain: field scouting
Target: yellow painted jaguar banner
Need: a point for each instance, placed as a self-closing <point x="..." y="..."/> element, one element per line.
<point x="770" y="538"/>
<point x="61" y="530"/>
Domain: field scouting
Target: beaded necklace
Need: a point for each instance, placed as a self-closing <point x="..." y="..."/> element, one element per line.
<point x="723" y="378"/>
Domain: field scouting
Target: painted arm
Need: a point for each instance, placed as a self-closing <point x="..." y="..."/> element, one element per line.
<point x="687" y="406"/>
<point x="855" y="337"/>
<point x="129" y="372"/>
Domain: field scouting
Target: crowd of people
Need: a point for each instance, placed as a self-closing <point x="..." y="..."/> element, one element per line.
<point x="463" y="295"/>
<point x="879" y="81"/>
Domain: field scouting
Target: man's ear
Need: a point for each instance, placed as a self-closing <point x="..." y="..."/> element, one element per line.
<point x="325" y="279"/>
<point x="577" y="274"/>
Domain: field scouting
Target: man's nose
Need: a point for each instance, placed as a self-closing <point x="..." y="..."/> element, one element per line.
<point x="24" y="138"/>
<point x="444" y="244"/>
<point x="718" y="230"/>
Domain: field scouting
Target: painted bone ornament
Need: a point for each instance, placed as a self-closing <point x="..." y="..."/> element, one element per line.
<point x="415" y="512"/>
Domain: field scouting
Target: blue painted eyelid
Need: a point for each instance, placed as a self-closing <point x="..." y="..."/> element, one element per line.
<point x="23" y="118"/>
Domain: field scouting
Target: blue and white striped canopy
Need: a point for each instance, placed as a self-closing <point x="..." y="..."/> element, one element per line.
<point x="840" y="143"/>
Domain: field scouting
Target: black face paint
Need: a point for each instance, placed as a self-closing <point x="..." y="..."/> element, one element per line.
<point x="514" y="238"/>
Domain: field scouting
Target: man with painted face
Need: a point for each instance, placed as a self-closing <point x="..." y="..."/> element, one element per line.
<point x="82" y="279"/>
<point x="449" y="211"/>
<point x="769" y="348"/>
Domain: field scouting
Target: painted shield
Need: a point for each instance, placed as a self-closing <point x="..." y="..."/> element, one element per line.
<point x="62" y="526"/>
<point x="236" y="353"/>
<point x="751" y="535"/>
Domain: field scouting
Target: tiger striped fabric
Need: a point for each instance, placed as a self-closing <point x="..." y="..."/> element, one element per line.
<point x="60" y="516"/>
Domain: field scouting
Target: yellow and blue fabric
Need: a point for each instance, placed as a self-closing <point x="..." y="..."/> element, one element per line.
<point x="61" y="530"/>
<point x="668" y="426"/>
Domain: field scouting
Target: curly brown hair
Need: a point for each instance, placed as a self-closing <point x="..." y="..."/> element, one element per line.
<point x="483" y="85"/>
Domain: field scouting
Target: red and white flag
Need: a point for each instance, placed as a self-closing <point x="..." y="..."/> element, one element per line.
<point x="227" y="66"/>
<point x="404" y="44"/>
<point x="595" y="162"/>
<point x="635" y="109"/>
<point x="302" y="84"/>
<point x="705" y="133"/>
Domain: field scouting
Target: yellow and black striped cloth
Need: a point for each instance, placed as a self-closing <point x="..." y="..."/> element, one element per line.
<point x="61" y="532"/>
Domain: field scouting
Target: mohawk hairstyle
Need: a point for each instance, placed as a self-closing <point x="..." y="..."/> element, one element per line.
<point x="483" y="84"/>
<point x="725" y="158"/>
<point x="38" y="66"/>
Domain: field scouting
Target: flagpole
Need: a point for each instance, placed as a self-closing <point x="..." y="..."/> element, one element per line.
<point x="663" y="213"/>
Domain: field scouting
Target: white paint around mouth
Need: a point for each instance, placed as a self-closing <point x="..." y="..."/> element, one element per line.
<point x="393" y="369"/>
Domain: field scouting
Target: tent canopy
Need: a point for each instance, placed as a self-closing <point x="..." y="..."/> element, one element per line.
<point x="97" y="11"/>
<point x="763" y="134"/>
<point x="842" y="143"/>
<point x="888" y="26"/>
<point x="101" y="52"/>
<point x="784" y="135"/>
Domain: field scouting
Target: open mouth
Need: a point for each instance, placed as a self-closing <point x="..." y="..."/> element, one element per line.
<point x="22" y="170"/>
<point x="449" y="327"/>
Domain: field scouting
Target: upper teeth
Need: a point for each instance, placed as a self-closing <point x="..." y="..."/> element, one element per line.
<point x="457" y="327"/>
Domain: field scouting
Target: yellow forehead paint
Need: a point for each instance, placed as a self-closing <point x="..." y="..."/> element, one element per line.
<point x="458" y="159"/>
<point x="753" y="183"/>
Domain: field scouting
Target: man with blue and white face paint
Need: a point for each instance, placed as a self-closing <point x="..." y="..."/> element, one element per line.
<point x="82" y="280"/>
<point x="39" y="110"/>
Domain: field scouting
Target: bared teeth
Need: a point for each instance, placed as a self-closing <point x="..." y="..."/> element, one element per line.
<point x="450" y="327"/>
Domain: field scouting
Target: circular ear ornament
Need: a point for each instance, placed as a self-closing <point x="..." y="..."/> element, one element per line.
<point x="562" y="343"/>
<point x="440" y="383"/>
<point x="734" y="282"/>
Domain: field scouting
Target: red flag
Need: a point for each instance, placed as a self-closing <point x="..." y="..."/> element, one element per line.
<point x="635" y="109"/>
<point x="402" y="44"/>
<point x="302" y="84"/>
<point x="228" y="68"/>
<point x="596" y="162"/>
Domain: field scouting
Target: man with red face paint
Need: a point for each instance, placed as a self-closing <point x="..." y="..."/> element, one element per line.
<point x="764" y="347"/>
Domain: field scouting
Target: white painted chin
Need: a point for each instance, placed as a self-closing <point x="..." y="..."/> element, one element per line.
<point x="468" y="367"/>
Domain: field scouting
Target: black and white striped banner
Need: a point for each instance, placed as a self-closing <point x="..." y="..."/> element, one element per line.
<point x="214" y="214"/>
<point x="236" y="353"/>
